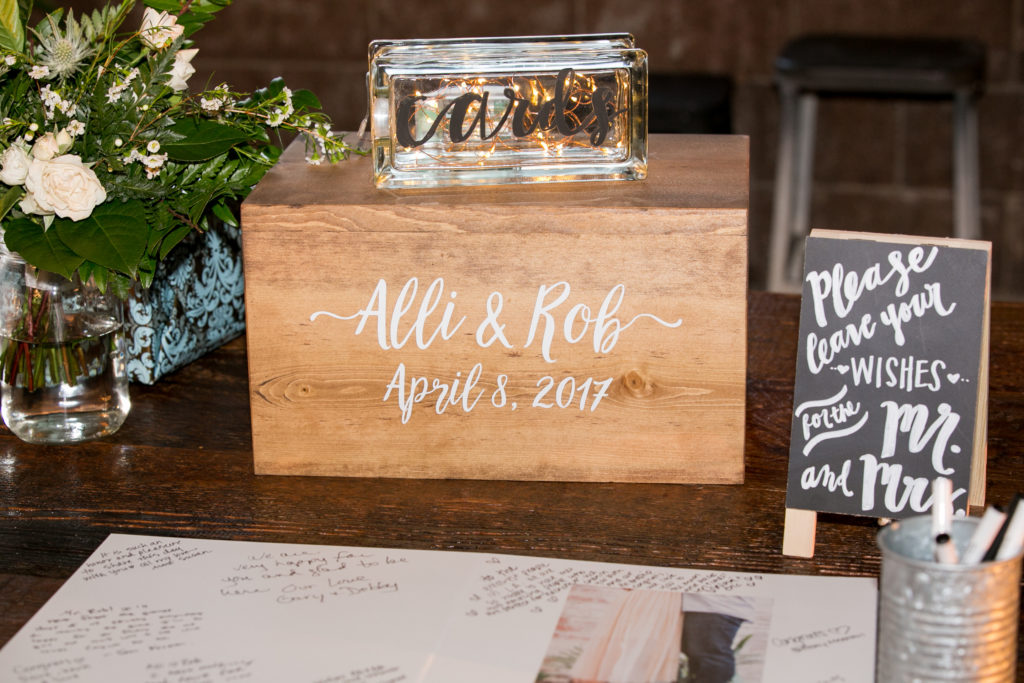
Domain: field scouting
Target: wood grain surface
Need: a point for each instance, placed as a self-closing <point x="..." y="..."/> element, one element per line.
<point x="665" y="258"/>
<point x="182" y="466"/>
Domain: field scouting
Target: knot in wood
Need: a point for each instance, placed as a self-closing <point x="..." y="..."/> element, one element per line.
<point x="636" y="384"/>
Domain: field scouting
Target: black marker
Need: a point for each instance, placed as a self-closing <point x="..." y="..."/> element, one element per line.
<point x="993" y="549"/>
<point x="1013" y="537"/>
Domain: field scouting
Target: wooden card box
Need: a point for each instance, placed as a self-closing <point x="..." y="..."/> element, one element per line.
<point x="567" y="331"/>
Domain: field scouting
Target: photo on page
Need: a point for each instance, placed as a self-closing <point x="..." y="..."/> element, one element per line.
<point x="619" y="635"/>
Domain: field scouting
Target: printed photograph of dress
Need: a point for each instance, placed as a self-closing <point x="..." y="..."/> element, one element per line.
<point x="616" y="635"/>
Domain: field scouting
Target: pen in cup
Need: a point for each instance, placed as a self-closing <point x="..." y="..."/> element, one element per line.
<point x="1001" y="538"/>
<point x="984" y="535"/>
<point x="944" y="549"/>
<point x="1013" y="538"/>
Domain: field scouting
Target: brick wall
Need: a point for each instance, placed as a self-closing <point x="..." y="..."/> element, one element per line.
<point x="881" y="165"/>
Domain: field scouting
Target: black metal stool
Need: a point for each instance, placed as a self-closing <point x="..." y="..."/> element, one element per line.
<point x="867" y="66"/>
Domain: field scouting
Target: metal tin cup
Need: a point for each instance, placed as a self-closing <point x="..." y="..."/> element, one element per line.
<point x="944" y="622"/>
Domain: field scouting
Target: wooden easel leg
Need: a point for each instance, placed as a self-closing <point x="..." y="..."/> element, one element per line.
<point x="799" y="531"/>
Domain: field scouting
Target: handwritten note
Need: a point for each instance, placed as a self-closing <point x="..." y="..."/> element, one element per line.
<point x="371" y="674"/>
<point x="153" y="554"/>
<point x="509" y="586"/>
<point x="887" y="375"/>
<point x="304" y="575"/>
<point x="801" y="642"/>
<point x="128" y="629"/>
<point x="191" y="669"/>
<point x="223" y="611"/>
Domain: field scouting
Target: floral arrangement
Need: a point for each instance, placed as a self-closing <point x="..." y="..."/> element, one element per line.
<point x="107" y="160"/>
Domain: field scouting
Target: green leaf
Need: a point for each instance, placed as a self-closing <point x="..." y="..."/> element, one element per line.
<point x="121" y="286"/>
<point x="147" y="271"/>
<point x="193" y="21"/>
<point x="12" y="31"/>
<point x="221" y="211"/>
<point x="200" y="11"/>
<point x="86" y="270"/>
<point x="173" y="239"/>
<point x="42" y="249"/>
<point x="200" y="199"/>
<point x="202" y="139"/>
<point x="305" y="99"/>
<point x="114" y="236"/>
<point x="173" y="6"/>
<point x="275" y="87"/>
<point x="10" y="198"/>
<point x="160" y="223"/>
<point x="99" y="274"/>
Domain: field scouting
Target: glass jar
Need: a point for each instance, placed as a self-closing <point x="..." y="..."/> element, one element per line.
<point x="507" y="110"/>
<point x="62" y="356"/>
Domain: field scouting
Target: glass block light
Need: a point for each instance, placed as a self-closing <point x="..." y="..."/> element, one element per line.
<point x="490" y="111"/>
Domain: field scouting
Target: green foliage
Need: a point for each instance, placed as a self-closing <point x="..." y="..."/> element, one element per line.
<point x="199" y="12"/>
<point x="202" y="139"/>
<point x="40" y="247"/>
<point x="12" y="30"/>
<point x="9" y="198"/>
<point x="113" y="97"/>
<point x="110" y="237"/>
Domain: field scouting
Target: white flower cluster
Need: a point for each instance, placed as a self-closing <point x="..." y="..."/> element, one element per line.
<point x="152" y="162"/>
<point x="115" y="91"/>
<point x="316" y="144"/>
<point x="53" y="101"/>
<point x="280" y="114"/>
<point x="55" y="183"/>
<point x="219" y="98"/>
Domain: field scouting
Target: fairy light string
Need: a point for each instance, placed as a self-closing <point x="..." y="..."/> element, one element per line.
<point x="486" y="123"/>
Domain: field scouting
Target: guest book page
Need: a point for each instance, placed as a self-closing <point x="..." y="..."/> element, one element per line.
<point x="169" y="610"/>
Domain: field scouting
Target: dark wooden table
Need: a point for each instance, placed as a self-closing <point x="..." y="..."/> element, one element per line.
<point x="182" y="465"/>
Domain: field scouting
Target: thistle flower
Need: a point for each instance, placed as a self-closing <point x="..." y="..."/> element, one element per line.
<point x="63" y="52"/>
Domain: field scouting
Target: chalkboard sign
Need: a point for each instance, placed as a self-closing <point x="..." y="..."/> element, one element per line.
<point x="891" y="374"/>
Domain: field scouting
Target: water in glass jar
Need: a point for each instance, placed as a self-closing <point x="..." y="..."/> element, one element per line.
<point x="67" y="391"/>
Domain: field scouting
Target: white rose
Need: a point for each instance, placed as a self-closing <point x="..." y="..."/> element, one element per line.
<point x="65" y="186"/>
<point x="15" y="162"/>
<point x="28" y="204"/>
<point x="182" y="69"/>
<point x="159" y="29"/>
<point x="46" y="147"/>
<point x="64" y="141"/>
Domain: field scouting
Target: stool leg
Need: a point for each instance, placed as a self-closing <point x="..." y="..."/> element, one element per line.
<point x="782" y="209"/>
<point x="966" y="183"/>
<point x="804" y="181"/>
